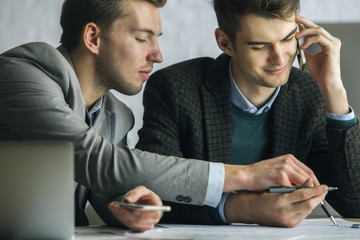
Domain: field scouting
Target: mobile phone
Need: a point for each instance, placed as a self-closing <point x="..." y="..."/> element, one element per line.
<point x="142" y="207"/>
<point x="300" y="52"/>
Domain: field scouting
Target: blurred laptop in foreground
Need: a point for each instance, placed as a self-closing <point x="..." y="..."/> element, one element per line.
<point x="37" y="189"/>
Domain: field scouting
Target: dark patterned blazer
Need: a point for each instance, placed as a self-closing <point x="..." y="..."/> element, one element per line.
<point x="188" y="114"/>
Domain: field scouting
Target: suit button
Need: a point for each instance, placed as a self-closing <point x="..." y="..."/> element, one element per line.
<point x="179" y="198"/>
<point x="187" y="199"/>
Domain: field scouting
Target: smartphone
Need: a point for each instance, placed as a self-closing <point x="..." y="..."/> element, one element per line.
<point x="300" y="53"/>
<point x="142" y="207"/>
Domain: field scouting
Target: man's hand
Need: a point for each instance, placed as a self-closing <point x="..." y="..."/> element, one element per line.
<point x="136" y="220"/>
<point x="285" y="170"/>
<point x="273" y="209"/>
<point x="325" y="65"/>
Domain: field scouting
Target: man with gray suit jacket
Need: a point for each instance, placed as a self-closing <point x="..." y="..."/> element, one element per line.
<point x="63" y="94"/>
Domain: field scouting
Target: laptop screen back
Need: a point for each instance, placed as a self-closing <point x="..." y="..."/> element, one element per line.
<point x="36" y="187"/>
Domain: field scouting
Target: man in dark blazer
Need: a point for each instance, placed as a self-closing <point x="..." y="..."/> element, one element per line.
<point x="250" y="104"/>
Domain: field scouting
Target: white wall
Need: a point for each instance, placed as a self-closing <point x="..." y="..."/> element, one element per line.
<point x="188" y="27"/>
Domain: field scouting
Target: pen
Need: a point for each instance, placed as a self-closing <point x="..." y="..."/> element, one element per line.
<point x="327" y="213"/>
<point x="291" y="189"/>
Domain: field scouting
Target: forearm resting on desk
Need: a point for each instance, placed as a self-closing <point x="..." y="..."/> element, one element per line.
<point x="268" y="209"/>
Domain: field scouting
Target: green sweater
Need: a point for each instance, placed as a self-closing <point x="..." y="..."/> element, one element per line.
<point x="251" y="141"/>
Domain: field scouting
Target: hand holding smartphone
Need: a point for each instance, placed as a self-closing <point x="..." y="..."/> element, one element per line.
<point x="141" y="207"/>
<point x="300" y="52"/>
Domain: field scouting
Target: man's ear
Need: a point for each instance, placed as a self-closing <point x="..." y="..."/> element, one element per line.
<point x="91" y="37"/>
<point x="223" y="42"/>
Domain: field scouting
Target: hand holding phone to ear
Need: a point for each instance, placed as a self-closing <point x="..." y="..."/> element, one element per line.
<point x="325" y="65"/>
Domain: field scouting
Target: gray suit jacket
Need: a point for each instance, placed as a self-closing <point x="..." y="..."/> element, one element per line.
<point x="40" y="99"/>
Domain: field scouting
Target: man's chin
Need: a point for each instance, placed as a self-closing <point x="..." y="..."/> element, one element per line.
<point x="276" y="82"/>
<point x="129" y="91"/>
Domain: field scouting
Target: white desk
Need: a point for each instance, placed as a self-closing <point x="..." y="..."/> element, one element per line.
<point x="309" y="229"/>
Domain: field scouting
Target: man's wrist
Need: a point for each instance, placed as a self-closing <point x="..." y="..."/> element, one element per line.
<point x="236" y="177"/>
<point x="335" y="98"/>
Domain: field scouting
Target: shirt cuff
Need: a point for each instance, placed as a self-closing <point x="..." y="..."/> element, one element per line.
<point x="221" y="207"/>
<point x="217" y="213"/>
<point x="341" y="121"/>
<point x="215" y="184"/>
<point x="345" y="117"/>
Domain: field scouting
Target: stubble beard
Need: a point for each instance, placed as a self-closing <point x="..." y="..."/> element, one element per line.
<point x="107" y="78"/>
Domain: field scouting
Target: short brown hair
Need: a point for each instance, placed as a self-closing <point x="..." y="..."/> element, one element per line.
<point x="230" y="12"/>
<point x="75" y="14"/>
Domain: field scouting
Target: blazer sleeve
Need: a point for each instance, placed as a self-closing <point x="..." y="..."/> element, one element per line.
<point x="34" y="106"/>
<point x="345" y="149"/>
<point x="334" y="153"/>
<point x="340" y="167"/>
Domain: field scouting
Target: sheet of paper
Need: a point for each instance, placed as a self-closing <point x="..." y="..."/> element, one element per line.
<point x="309" y="229"/>
<point x="316" y="229"/>
<point x="99" y="232"/>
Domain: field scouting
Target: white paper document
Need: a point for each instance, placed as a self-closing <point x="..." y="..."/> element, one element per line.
<point x="316" y="229"/>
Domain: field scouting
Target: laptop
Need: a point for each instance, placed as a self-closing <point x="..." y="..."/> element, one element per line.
<point x="36" y="190"/>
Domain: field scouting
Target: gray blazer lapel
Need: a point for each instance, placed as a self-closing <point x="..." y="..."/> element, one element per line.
<point x="216" y="104"/>
<point x="114" y="121"/>
<point x="105" y="125"/>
